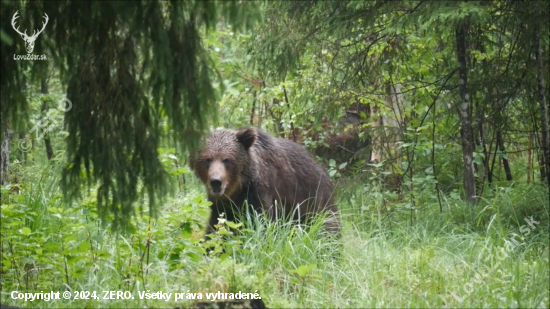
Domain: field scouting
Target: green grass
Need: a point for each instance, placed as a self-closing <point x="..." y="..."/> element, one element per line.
<point x="385" y="257"/>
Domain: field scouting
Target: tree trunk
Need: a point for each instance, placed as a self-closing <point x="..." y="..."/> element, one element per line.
<point x="492" y="169"/>
<point x="5" y="153"/>
<point x="22" y="155"/>
<point x="376" y="125"/>
<point x="529" y="157"/>
<point x="386" y="127"/>
<point x="395" y="103"/>
<point x="253" y="112"/>
<point x="291" y="135"/>
<point x="540" y="158"/>
<point x="47" y="141"/>
<point x="276" y="118"/>
<point x="464" y="113"/>
<point x="543" y="107"/>
<point x="480" y="141"/>
<point x="500" y="146"/>
<point x="542" y="170"/>
<point x="480" y="117"/>
<point x="486" y="154"/>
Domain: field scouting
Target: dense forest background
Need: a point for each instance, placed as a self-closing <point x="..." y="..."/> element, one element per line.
<point x="431" y="117"/>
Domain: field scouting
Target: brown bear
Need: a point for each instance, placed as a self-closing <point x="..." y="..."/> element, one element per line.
<point x="272" y="175"/>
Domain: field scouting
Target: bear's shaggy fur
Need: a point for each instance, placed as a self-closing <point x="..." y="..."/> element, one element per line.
<point x="273" y="175"/>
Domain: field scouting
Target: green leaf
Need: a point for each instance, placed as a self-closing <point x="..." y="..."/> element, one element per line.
<point x="175" y="256"/>
<point x="7" y="264"/>
<point x="186" y="230"/>
<point x="331" y="173"/>
<point x="84" y="246"/>
<point x="72" y="259"/>
<point x="233" y="225"/>
<point x="197" y="199"/>
<point x="25" y="231"/>
<point x="104" y="254"/>
<point x="223" y="231"/>
<point x="303" y="270"/>
<point x="195" y="257"/>
<point x="52" y="247"/>
<point x="331" y="163"/>
<point x="343" y="165"/>
<point x="53" y="209"/>
<point x="69" y="238"/>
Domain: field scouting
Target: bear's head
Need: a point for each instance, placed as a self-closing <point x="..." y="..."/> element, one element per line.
<point x="223" y="162"/>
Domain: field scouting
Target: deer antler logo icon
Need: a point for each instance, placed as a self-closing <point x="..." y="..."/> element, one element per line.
<point x="29" y="40"/>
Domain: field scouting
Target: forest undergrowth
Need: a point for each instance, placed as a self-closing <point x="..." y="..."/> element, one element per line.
<point x="389" y="255"/>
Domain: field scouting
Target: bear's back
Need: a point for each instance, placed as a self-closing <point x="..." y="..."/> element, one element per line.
<point x="293" y="175"/>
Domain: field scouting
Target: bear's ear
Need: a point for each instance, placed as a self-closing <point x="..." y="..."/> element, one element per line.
<point x="247" y="137"/>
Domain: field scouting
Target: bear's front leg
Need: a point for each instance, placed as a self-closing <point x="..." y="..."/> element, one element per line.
<point x="214" y="215"/>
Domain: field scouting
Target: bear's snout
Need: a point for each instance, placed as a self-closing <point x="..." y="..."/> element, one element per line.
<point x="216" y="186"/>
<point x="217" y="178"/>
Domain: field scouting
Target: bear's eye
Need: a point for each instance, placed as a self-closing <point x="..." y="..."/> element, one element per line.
<point x="225" y="161"/>
<point x="208" y="160"/>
